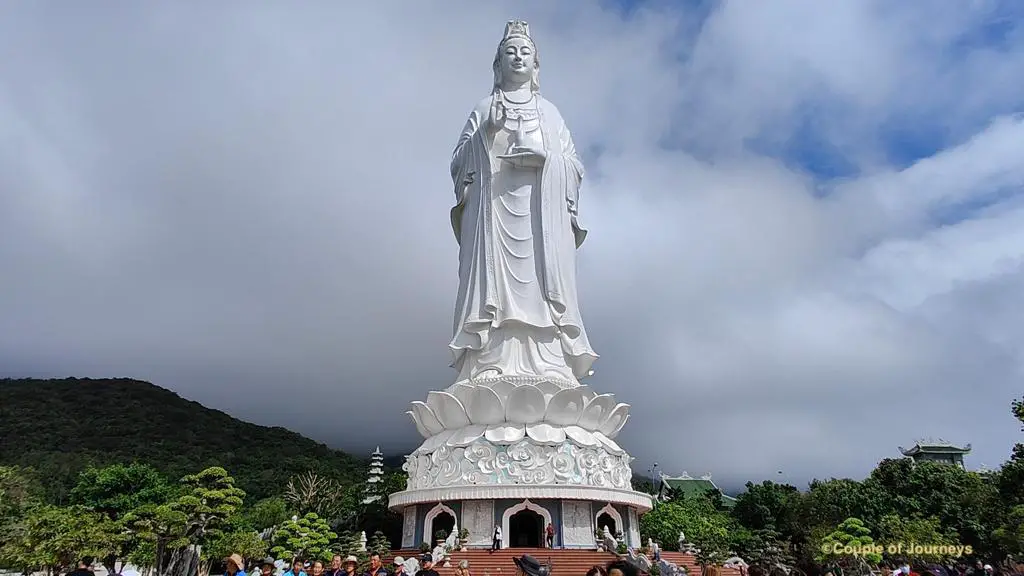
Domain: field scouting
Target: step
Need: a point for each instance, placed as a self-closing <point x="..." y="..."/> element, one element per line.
<point x="564" y="562"/>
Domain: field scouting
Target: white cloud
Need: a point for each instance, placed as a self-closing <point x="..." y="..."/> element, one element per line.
<point x="249" y="205"/>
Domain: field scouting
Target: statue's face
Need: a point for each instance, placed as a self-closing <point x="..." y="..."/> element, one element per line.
<point x="517" y="60"/>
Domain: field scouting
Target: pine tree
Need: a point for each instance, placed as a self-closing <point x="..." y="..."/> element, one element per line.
<point x="380" y="544"/>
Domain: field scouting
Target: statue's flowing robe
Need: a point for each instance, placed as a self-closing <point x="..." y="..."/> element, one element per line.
<point x="556" y="236"/>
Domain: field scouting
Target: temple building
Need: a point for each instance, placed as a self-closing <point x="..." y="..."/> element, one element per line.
<point x="937" y="451"/>
<point x="690" y="486"/>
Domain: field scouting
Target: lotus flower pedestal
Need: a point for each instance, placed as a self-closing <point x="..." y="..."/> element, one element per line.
<point x="520" y="453"/>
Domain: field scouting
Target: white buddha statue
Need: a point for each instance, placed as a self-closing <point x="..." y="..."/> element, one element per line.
<point x="517" y="180"/>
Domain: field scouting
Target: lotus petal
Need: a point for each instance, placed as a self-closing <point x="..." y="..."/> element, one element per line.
<point x="565" y="407"/>
<point x="464" y="392"/>
<point x="502" y="389"/>
<point x="616" y="419"/>
<point x="525" y="404"/>
<point x="596" y="411"/>
<point x="548" y="388"/>
<point x="427" y="418"/>
<point x="610" y="445"/>
<point x="436" y="441"/>
<point x="545" y="433"/>
<point x="466" y="436"/>
<point x="505" y="433"/>
<point x="581" y="436"/>
<point x="587" y="391"/>
<point x="485" y="407"/>
<point x="419" y="425"/>
<point x="619" y="429"/>
<point x="448" y="410"/>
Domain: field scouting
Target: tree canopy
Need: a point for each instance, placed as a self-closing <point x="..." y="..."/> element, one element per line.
<point x="130" y="421"/>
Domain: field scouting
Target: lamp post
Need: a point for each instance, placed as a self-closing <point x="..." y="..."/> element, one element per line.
<point x="654" y="479"/>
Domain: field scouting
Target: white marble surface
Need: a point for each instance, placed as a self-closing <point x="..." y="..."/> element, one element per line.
<point x="641" y="501"/>
<point x="478" y="518"/>
<point x="484" y="407"/>
<point x="577" y="524"/>
<point x="634" y="528"/>
<point x="517" y="422"/>
<point x="516" y="178"/>
<point x="524" y="463"/>
<point x="409" y="527"/>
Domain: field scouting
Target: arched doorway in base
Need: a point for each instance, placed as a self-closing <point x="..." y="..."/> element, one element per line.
<point x="443" y="521"/>
<point x="439" y="517"/>
<point x="524" y="529"/>
<point x="605" y="520"/>
<point x="610" y="517"/>
<point x="527" y="529"/>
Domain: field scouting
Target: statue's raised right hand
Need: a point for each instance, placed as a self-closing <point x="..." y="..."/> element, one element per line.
<point x="490" y="121"/>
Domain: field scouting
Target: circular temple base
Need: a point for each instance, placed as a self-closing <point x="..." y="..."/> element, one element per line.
<point x="638" y="500"/>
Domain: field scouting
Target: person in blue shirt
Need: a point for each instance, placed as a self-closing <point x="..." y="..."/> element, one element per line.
<point x="296" y="570"/>
<point x="234" y="565"/>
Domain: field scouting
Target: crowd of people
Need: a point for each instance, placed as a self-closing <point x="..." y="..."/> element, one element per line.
<point x="525" y="565"/>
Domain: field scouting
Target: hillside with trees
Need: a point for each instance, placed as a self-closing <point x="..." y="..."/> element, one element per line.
<point x="62" y="427"/>
<point x="193" y="485"/>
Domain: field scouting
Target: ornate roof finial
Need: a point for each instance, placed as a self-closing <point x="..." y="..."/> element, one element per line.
<point x="516" y="29"/>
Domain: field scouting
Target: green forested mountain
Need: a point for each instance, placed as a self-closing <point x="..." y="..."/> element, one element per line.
<point x="60" y="427"/>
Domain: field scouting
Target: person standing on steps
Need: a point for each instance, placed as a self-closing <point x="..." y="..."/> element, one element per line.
<point x="550" y="533"/>
<point x="496" y="539"/>
<point x="427" y="563"/>
<point x="527" y="565"/>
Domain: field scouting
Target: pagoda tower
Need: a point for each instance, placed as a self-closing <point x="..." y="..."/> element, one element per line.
<point x="375" y="478"/>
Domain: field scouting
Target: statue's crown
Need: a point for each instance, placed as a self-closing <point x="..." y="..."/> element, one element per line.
<point x="517" y="29"/>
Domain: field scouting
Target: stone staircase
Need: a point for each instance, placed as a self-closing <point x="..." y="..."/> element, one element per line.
<point x="689" y="561"/>
<point x="563" y="562"/>
<point x="499" y="563"/>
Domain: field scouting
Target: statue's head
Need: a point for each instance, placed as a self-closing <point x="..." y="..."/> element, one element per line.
<point x="516" y="59"/>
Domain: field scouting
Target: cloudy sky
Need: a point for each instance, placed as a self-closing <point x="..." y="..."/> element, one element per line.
<point x="807" y="218"/>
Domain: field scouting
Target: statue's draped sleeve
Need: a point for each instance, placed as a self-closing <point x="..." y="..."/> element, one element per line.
<point x="566" y="171"/>
<point x="562" y="235"/>
<point x="465" y="161"/>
